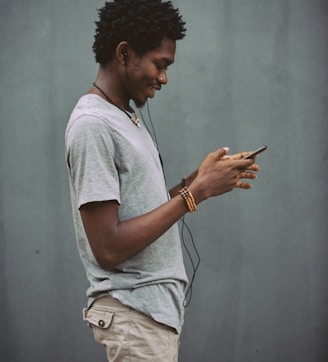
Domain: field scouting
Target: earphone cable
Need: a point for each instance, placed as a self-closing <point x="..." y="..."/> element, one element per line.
<point x="194" y="264"/>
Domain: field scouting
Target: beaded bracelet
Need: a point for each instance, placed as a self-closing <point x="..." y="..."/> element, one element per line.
<point x="189" y="199"/>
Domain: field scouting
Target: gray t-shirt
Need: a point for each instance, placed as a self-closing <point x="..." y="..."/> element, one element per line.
<point x="109" y="158"/>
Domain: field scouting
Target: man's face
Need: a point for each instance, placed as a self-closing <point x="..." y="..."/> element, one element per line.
<point x="146" y="74"/>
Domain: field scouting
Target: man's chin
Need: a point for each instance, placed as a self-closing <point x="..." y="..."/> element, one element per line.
<point x="140" y="104"/>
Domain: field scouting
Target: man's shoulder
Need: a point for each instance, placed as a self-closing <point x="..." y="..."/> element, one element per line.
<point x="90" y="105"/>
<point x="91" y="111"/>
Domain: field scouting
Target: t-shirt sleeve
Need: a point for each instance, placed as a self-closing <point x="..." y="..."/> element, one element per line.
<point x="91" y="157"/>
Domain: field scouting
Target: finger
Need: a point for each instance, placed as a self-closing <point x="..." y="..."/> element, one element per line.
<point x="254" y="167"/>
<point x="243" y="185"/>
<point x="240" y="155"/>
<point x="221" y="152"/>
<point x="243" y="164"/>
<point x="249" y="175"/>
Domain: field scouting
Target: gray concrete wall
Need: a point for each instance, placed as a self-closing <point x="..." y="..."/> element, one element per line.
<point x="248" y="73"/>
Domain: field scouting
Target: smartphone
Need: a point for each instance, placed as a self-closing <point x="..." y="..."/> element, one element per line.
<point x="253" y="154"/>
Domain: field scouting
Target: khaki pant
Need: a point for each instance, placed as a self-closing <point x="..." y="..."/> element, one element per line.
<point x="130" y="336"/>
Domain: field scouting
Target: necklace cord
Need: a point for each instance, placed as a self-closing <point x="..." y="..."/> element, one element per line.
<point x="134" y="120"/>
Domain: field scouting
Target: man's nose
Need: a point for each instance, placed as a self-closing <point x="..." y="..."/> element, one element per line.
<point x="162" y="77"/>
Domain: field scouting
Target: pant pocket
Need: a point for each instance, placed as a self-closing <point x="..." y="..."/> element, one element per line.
<point x="104" y="331"/>
<point x="98" y="317"/>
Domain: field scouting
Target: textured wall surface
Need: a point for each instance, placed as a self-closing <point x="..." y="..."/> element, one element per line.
<point x="248" y="73"/>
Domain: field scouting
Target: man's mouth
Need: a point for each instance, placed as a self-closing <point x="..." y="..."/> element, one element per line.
<point x="153" y="89"/>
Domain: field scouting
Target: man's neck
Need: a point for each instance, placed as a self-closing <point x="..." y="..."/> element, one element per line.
<point x="109" y="87"/>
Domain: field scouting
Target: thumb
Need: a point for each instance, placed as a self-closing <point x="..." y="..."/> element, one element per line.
<point x="222" y="152"/>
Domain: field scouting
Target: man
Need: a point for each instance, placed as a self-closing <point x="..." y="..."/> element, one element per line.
<point x="125" y="221"/>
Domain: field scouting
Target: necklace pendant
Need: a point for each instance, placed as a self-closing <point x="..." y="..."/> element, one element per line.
<point x="135" y="120"/>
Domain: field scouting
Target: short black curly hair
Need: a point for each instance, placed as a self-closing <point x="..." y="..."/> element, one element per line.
<point x="142" y="23"/>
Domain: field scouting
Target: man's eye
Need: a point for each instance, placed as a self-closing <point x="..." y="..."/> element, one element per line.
<point x="161" y="67"/>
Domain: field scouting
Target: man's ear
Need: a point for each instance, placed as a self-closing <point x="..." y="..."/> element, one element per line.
<point x="122" y="52"/>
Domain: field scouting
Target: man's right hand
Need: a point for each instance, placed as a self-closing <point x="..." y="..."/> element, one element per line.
<point x="219" y="173"/>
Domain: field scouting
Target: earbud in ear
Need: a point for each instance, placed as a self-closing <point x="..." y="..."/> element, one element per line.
<point x="125" y="57"/>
